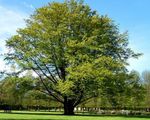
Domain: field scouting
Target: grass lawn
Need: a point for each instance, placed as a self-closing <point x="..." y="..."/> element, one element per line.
<point x="53" y="116"/>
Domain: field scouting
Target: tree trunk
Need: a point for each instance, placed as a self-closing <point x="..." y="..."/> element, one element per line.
<point x="68" y="107"/>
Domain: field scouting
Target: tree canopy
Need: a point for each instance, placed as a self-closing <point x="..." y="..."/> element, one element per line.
<point x="72" y="49"/>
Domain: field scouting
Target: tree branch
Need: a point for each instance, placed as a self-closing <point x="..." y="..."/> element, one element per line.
<point x="35" y="62"/>
<point x="50" y="93"/>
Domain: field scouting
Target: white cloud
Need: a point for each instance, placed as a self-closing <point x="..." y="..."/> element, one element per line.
<point x="10" y="21"/>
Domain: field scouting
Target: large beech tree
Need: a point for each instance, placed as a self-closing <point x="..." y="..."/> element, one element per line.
<point x="72" y="49"/>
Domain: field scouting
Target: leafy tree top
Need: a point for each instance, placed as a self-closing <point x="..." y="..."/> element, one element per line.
<point x="72" y="49"/>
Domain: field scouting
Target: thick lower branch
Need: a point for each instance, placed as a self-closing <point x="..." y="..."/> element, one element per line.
<point x="50" y="92"/>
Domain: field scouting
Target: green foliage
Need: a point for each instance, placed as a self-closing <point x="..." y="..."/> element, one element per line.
<point x="146" y="81"/>
<point x="71" y="48"/>
<point x="64" y="87"/>
<point x="123" y="90"/>
<point x="135" y="90"/>
<point x="14" y="88"/>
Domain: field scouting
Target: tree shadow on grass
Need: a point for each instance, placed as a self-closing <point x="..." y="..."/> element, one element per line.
<point x="30" y="119"/>
<point x="33" y="113"/>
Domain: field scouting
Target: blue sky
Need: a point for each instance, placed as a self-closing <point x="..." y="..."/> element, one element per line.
<point x="130" y="15"/>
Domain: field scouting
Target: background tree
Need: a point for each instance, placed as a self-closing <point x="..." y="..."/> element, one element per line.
<point x="9" y="90"/>
<point x="124" y="90"/>
<point x="146" y="80"/>
<point x="136" y="90"/>
<point x="14" y="88"/>
<point x="72" y="49"/>
<point x="114" y="89"/>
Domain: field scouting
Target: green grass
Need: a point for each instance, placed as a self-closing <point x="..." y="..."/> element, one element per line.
<point x="24" y="115"/>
